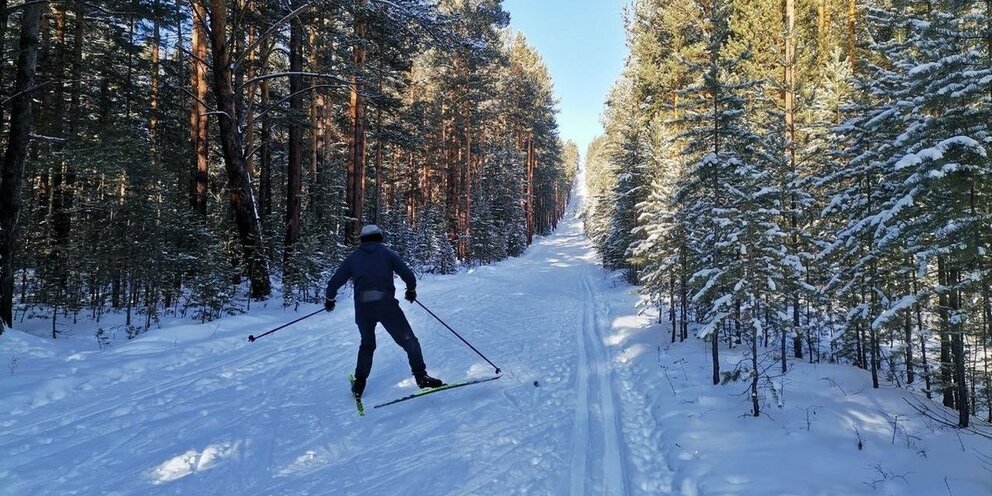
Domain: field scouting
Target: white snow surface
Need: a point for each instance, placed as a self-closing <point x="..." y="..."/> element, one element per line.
<point x="594" y="401"/>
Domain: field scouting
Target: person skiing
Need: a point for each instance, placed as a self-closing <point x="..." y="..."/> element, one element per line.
<point x="371" y="267"/>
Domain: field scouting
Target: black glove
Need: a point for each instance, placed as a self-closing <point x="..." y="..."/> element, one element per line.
<point x="411" y="295"/>
<point x="328" y="304"/>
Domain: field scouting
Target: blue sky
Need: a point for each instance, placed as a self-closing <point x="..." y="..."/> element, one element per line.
<point x="583" y="44"/>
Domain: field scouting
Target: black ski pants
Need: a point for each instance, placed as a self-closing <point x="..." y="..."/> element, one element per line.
<point x="387" y="312"/>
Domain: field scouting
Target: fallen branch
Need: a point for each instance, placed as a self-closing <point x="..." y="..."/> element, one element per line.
<point x="943" y="419"/>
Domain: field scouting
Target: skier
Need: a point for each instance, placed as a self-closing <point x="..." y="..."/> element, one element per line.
<point x="371" y="267"/>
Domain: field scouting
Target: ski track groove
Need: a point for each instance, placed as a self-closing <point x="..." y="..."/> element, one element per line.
<point x="580" y="430"/>
<point x="608" y="430"/>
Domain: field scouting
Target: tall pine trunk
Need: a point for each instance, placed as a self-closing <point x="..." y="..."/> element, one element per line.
<point x="946" y="375"/>
<point x="3" y="46"/>
<point x="239" y="185"/>
<point x="355" y="189"/>
<point x="198" y="109"/>
<point x="908" y="331"/>
<point x="530" y="189"/>
<point x="153" y="114"/>
<point x="294" y="180"/>
<point x="14" y="157"/>
<point x="790" y="129"/>
<point x="956" y="329"/>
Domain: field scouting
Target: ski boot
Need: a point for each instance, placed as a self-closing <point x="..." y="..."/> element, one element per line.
<point x="425" y="381"/>
<point x="358" y="387"/>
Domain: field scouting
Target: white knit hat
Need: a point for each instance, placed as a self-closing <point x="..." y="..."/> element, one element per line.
<point x="369" y="230"/>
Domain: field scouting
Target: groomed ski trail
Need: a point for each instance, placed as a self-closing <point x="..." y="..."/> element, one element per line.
<point x="596" y="421"/>
<point x="198" y="410"/>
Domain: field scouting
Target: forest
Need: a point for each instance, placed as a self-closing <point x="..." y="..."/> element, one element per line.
<point x="808" y="180"/>
<point x="188" y="158"/>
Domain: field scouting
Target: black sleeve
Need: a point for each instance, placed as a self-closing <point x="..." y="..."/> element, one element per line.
<point x="403" y="270"/>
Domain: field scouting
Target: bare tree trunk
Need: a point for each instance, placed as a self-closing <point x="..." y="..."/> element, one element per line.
<point x="530" y="189"/>
<point x="671" y="300"/>
<point x="355" y="194"/>
<point x="3" y="46"/>
<point x="717" y="203"/>
<point x="987" y="326"/>
<point x="755" y="371"/>
<point x="918" y="309"/>
<point x="790" y="129"/>
<point x="240" y="188"/>
<point x="683" y="295"/>
<point x="908" y="331"/>
<point x="12" y="172"/>
<point x="378" y="154"/>
<point x="153" y="117"/>
<point x="198" y="109"/>
<point x="946" y="374"/>
<point x="957" y="348"/>
<point x="318" y="134"/>
<point x="294" y="182"/>
<point x="61" y="193"/>
<point x="467" y="215"/>
<point x="265" y="144"/>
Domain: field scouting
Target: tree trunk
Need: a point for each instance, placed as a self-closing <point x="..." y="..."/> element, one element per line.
<point x="466" y="237"/>
<point x="790" y="129"/>
<point x="755" y="375"/>
<point x="918" y="310"/>
<point x="12" y="172"/>
<point x="198" y="109"/>
<point x="239" y="186"/>
<point x="3" y="46"/>
<point x="153" y="117"/>
<point x="530" y="189"/>
<point x="987" y="326"/>
<point x="946" y="375"/>
<point x="957" y="348"/>
<point x="265" y="144"/>
<point x="355" y="194"/>
<point x="294" y="181"/>
<point x="908" y="331"/>
<point x="683" y="295"/>
<point x="671" y="300"/>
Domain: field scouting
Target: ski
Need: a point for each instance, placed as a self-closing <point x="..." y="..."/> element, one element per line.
<point x="358" y="399"/>
<point x="424" y="392"/>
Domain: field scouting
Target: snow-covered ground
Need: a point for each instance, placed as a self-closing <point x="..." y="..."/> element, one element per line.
<point x="593" y="401"/>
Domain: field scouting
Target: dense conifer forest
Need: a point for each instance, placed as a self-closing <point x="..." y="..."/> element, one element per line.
<point x="809" y="179"/>
<point x="185" y="158"/>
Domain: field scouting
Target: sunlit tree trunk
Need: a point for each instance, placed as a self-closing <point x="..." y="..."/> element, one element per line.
<point x="198" y="109"/>
<point x="355" y="189"/>
<point x="240" y="189"/>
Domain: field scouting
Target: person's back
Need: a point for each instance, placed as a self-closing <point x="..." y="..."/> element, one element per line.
<point x="371" y="267"/>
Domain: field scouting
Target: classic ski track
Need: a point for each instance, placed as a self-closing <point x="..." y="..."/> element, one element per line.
<point x="580" y="427"/>
<point x="614" y="473"/>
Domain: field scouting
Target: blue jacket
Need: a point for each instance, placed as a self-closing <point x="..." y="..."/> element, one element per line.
<point x="371" y="267"/>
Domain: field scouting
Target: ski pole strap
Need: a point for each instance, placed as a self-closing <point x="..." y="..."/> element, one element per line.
<point x="252" y="338"/>
<point x="459" y="336"/>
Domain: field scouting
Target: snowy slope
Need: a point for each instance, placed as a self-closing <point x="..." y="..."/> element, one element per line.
<point x="593" y="401"/>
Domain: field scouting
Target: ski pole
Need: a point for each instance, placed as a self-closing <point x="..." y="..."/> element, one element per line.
<point x="252" y="338"/>
<point x="459" y="336"/>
